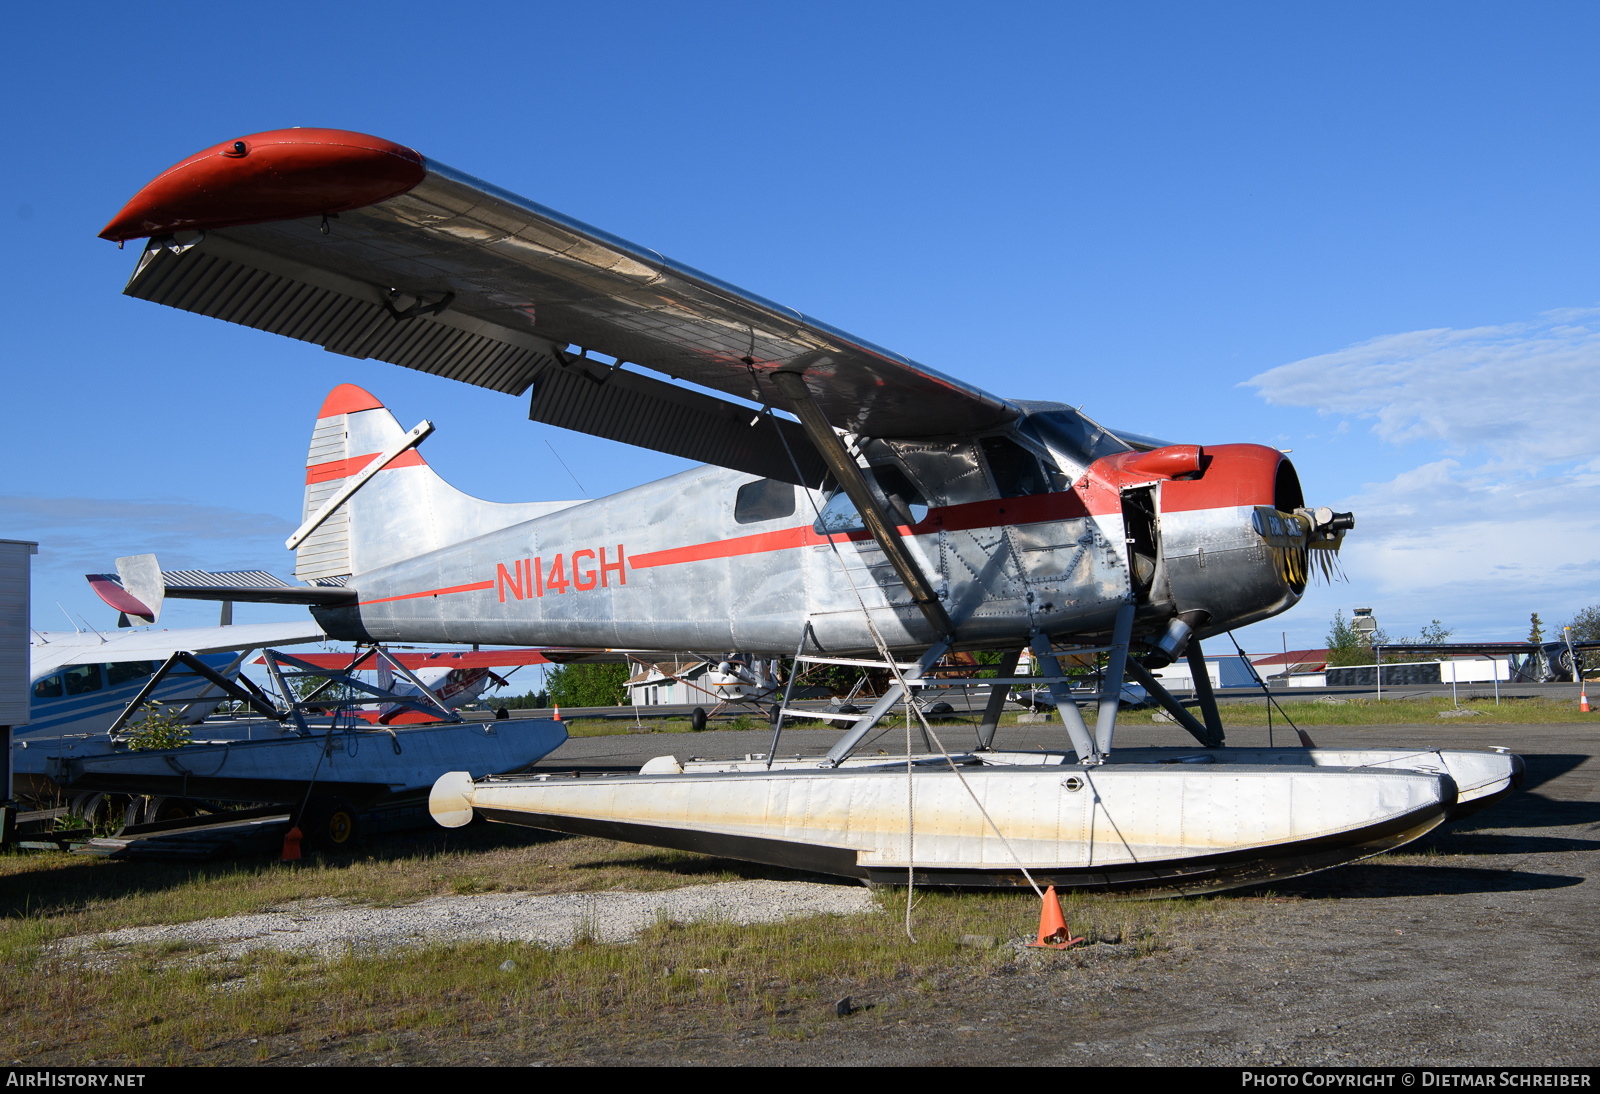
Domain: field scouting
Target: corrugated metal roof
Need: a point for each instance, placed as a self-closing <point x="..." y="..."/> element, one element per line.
<point x="224" y="579"/>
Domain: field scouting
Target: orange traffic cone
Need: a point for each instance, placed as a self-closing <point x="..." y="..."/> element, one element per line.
<point x="1583" y="699"/>
<point x="558" y="712"/>
<point x="291" y="845"/>
<point x="1053" y="932"/>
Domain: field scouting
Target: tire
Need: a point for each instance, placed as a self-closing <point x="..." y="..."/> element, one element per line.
<point x="697" y="719"/>
<point x="164" y="809"/>
<point x="92" y="808"/>
<point x="332" y="824"/>
<point x="940" y="707"/>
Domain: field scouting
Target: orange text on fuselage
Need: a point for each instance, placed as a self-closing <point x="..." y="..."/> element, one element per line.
<point x="581" y="571"/>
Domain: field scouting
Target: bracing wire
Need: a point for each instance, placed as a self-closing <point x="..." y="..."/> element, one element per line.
<point x="1305" y="738"/>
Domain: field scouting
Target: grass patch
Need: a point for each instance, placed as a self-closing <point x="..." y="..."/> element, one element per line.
<point x="49" y="895"/>
<point x="1369" y="712"/>
<point x="458" y="1002"/>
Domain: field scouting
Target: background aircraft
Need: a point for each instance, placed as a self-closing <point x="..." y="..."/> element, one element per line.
<point x="457" y="678"/>
<point x="82" y="681"/>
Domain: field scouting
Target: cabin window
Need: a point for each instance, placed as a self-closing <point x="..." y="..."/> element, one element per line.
<point x="81" y="679"/>
<point x="764" y="499"/>
<point x="906" y="504"/>
<point x="1016" y="470"/>
<point x="48" y="688"/>
<point x="121" y="672"/>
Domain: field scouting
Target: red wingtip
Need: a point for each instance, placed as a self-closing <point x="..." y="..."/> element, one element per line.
<point x="108" y="589"/>
<point x="282" y="174"/>
<point x="348" y="399"/>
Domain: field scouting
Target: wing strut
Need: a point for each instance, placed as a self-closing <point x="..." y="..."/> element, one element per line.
<point x="849" y="476"/>
<point x="997" y="698"/>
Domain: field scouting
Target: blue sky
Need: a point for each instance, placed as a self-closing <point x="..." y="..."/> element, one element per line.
<point x="1364" y="232"/>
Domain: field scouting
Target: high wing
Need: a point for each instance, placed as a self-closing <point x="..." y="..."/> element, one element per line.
<point x="53" y="649"/>
<point x="365" y="248"/>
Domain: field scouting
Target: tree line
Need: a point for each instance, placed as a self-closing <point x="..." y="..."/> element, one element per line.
<point x="1348" y="646"/>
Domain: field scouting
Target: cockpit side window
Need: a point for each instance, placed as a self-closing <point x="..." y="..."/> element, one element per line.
<point x="764" y="499"/>
<point x="81" y="679"/>
<point x="48" y="688"/>
<point x="906" y="503"/>
<point x="1017" y="472"/>
<point x="121" y="672"/>
<point x="1072" y="436"/>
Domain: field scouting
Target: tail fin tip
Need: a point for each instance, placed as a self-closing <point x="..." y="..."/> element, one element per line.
<point x="347" y="399"/>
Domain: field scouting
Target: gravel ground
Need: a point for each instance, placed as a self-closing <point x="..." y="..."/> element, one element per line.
<point x="331" y="926"/>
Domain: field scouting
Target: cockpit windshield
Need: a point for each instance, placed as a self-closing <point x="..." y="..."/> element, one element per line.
<point x="1068" y="433"/>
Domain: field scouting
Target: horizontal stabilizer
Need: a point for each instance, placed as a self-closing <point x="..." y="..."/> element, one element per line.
<point x="243" y="586"/>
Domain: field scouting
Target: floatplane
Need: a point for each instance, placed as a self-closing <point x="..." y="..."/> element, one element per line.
<point x="84" y="682"/>
<point x="855" y="506"/>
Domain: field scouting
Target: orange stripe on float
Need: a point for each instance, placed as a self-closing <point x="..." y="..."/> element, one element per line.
<point x="340" y="469"/>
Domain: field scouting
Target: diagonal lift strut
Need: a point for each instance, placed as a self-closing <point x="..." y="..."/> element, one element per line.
<point x="866" y="500"/>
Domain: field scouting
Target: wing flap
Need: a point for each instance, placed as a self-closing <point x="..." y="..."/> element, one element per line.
<point x="625" y="406"/>
<point x="240" y="284"/>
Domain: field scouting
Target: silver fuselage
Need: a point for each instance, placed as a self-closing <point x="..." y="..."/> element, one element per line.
<point x="670" y="565"/>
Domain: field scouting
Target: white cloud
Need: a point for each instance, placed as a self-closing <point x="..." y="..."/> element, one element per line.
<point x="1502" y="516"/>
<point x="79" y="536"/>
<point x="1527" y="394"/>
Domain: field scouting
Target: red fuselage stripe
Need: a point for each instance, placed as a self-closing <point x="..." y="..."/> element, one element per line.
<point x="474" y="587"/>
<point x="950" y="518"/>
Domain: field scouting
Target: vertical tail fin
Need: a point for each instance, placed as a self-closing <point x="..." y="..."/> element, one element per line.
<point x="403" y="511"/>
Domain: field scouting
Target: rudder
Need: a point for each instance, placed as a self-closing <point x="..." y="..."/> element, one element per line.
<point x="403" y="511"/>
